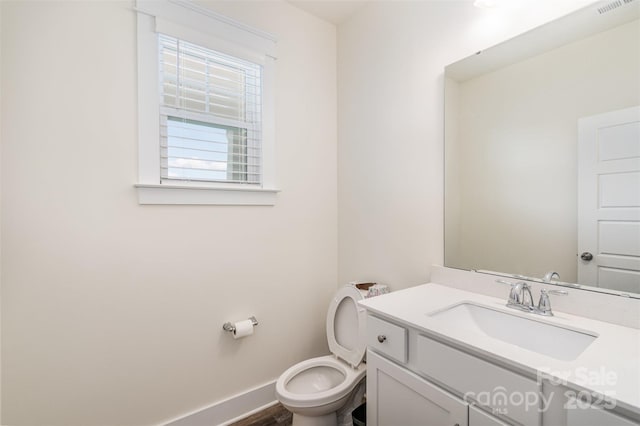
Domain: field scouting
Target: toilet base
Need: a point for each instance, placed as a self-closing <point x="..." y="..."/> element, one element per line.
<point x="330" y="419"/>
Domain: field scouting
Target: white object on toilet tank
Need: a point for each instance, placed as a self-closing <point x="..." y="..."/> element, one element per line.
<point x="377" y="290"/>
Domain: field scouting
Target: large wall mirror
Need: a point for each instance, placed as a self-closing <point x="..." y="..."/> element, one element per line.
<point x="542" y="153"/>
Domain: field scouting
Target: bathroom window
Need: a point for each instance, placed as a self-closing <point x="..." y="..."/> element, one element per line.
<point x="210" y="115"/>
<point x="205" y="108"/>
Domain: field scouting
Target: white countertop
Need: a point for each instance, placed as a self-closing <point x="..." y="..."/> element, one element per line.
<point x="610" y="366"/>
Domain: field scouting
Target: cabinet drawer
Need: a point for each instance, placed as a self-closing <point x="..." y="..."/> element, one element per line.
<point x="503" y="391"/>
<point x="386" y="338"/>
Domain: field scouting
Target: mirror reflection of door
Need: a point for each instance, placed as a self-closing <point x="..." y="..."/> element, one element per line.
<point x="511" y="136"/>
<point x="609" y="200"/>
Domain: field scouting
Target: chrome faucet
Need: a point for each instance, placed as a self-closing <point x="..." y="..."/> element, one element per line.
<point x="520" y="298"/>
<point x="549" y="276"/>
<point x="520" y="295"/>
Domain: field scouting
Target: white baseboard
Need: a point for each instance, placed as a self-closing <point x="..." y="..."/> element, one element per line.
<point x="230" y="409"/>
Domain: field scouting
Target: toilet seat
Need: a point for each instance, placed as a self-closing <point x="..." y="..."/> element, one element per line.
<point x="346" y="328"/>
<point x="312" y="396"/>
<point x="320" y="386"/>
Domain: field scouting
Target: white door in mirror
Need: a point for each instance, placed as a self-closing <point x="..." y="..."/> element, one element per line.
<point x="609" y="200"/>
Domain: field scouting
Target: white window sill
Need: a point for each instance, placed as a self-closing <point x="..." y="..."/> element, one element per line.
<point x="201" y="195"/>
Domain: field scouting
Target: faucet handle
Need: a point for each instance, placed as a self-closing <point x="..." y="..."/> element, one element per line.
<point x="544" y="304"/>
<point x="514" y="294"/>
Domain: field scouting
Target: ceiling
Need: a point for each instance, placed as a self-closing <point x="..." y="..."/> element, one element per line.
<point x="334" y="11"/>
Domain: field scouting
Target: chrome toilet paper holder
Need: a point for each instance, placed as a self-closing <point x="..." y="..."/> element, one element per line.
<point x="228" y="326"/>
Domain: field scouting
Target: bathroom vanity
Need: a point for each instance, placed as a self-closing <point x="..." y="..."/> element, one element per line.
<point x="439" y="355"/>
<point x="452" y="352"/>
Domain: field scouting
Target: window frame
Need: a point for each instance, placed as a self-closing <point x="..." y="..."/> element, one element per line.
<point x="192" y="23"/>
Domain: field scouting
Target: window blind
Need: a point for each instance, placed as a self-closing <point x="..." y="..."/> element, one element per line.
<point x="210" y="114"/>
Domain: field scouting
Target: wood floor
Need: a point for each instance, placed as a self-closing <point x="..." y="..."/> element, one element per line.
<point x="276" y="415"/>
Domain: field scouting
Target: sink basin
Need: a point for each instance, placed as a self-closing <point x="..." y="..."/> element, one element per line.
<point x="547" y="339"/>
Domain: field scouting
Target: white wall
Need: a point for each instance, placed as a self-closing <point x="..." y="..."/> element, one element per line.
<point x="517" y="155"/>
<point x="0" y="216"/>
<point x="391" y="59"/>
<point x="112" y="311"/>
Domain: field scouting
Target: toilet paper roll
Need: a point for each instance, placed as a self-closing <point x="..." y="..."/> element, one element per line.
<point x="243" y="329"/>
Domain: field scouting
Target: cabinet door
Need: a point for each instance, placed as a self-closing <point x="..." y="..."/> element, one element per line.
<point x="478" y="417"/>
<point x="395" y="396"/>
<point x="514" y="395"/>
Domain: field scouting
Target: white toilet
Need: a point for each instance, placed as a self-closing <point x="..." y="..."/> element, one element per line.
<point x="313" y="390"/>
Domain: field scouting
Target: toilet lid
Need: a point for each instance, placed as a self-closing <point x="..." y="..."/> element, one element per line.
<point x="346" y="332"/>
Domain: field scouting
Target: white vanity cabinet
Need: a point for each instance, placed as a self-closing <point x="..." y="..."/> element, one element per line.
<point x="414" y="379"/>
<point x="398" y="394"/>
